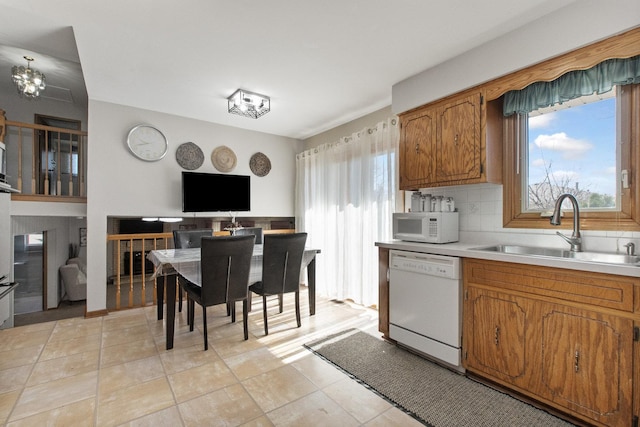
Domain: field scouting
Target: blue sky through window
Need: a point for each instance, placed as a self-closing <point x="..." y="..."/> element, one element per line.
<point x="577" y="145"/>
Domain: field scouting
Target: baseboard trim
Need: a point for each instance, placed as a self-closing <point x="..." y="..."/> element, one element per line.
<point x="97" y="313"/>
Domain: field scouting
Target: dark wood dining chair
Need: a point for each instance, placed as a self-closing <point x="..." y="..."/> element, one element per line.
<point x="281" y="265"/>
<point x="225" y="263"/>
<point x="184" y="239"/>
<point x="257" y="231"/>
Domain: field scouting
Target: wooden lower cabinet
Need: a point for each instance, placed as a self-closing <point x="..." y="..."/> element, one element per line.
<point x="383" y="291"/>
<point x="496" y="334"/>
<point x="585" y="354"/>
<point x="540" y="342"/>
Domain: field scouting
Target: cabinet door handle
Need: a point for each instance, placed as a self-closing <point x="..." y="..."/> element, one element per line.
<point x="576" y="361"/>
<point x="497" y="335"/>
<point x="417" y="148"/>
<point x="455" y="140"/>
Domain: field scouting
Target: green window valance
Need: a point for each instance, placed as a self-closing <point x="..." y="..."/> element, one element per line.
<point x="598" y="79"/>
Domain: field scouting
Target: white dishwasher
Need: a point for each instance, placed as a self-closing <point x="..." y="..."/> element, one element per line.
<point x="425" y="305"/>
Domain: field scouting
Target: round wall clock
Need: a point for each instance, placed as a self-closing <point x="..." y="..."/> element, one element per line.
<point x="147" y="143"/>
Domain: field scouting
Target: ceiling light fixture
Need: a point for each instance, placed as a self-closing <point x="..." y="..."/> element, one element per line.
<point x="29" y="81"/>
<point x="249" y="104"/>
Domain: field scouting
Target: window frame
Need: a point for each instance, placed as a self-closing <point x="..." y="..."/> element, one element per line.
<point x="627" y="219"/>
<point x="624" y="45"/>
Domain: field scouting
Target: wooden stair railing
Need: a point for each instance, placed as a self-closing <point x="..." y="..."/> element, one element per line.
<point x="38" y="154"/>
<point x="135" y="277"/>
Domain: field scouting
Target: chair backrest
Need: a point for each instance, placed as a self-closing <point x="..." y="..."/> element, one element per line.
<point x="282" y="261"/>
<point x="184" y="239"/>
<point x="225" y="264"/>
<point x="256" y="231"/>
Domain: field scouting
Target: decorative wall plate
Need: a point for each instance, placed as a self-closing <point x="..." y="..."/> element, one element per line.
<point x="189" y="156"/>
<point x="223" y="159"/>
<point x="260" y="164"/>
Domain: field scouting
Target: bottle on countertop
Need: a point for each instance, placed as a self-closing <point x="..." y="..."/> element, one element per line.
<point x="426" y="202"/>
<point x="416" y="202"/>
<point x="436" y="204"/>
<point x="448" y="205"/>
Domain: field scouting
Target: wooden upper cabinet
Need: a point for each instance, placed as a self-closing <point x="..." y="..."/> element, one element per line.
<point x="445" y="143"/>
<point x="418" y="133"/>
<point x="457" y="145"/>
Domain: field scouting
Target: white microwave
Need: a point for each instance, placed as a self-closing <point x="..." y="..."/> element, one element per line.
<point x="426" y="227"/>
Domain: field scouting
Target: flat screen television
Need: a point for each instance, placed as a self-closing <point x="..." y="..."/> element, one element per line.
<point x="209" y="192"/>
<point x="137" y="225"/>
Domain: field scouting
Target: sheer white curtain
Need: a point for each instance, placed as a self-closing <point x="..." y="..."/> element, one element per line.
<point x="346" y="193"/>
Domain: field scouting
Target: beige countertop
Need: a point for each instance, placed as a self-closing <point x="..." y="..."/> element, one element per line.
<point x="467" y="250"/>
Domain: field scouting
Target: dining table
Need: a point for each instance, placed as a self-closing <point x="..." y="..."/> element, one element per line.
<point x="169" y="263"/>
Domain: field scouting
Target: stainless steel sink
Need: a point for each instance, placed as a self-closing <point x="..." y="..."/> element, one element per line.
<point x="527" y="250"/>
<point x="607" y="258"/>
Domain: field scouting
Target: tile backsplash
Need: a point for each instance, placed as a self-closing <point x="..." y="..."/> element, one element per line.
<point x="480" y="207"/>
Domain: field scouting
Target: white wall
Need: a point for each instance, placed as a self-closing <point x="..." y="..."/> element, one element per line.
<point x="121" y="185"/>
<point x="579" y="24"/>
<point x="347" y="129"/>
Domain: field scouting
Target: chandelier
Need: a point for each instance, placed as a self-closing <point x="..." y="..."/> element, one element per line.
<point x="249" y="104"/>
<point x="29" y="81"/>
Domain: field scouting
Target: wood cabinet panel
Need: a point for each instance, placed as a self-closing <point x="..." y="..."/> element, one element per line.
<point x="445" y="143"/>
<point x="418" y="132"/>
<point x="571" y="336"/>
<point x="383" y="291"/>
<point x="584" y="354"/>
<point x="597" y="289"/>
<point x="457" y="145"/>
<point x="496" y="333"/>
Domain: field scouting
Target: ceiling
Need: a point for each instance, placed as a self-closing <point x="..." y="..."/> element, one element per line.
<point x="323" y="63"/>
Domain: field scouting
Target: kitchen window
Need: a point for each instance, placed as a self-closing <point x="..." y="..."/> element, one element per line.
<point x="571" y="148"/>
<point x="587" y="146"/>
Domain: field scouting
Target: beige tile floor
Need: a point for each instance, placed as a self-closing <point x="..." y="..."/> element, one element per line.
<point x="115" y="371"/>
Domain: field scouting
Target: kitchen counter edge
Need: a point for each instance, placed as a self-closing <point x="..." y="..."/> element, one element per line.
<point x="466" y="250"/>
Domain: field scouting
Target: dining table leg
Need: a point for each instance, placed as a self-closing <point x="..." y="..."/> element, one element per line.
<point x="171" y="312"/>
<point x="160" y="295"/>
<point x="311" y="278"/>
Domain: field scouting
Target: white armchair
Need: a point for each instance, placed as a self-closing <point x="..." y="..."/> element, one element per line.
<point x="74" y="281"/>
<point x="80" y="262"/>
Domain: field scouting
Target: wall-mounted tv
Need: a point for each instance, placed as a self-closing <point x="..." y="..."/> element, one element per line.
<point x="208" y="192"/>
<point x="137" y="225"/>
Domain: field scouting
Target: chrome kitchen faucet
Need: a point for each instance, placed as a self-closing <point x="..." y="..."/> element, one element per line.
<point x="575" y="240"/>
